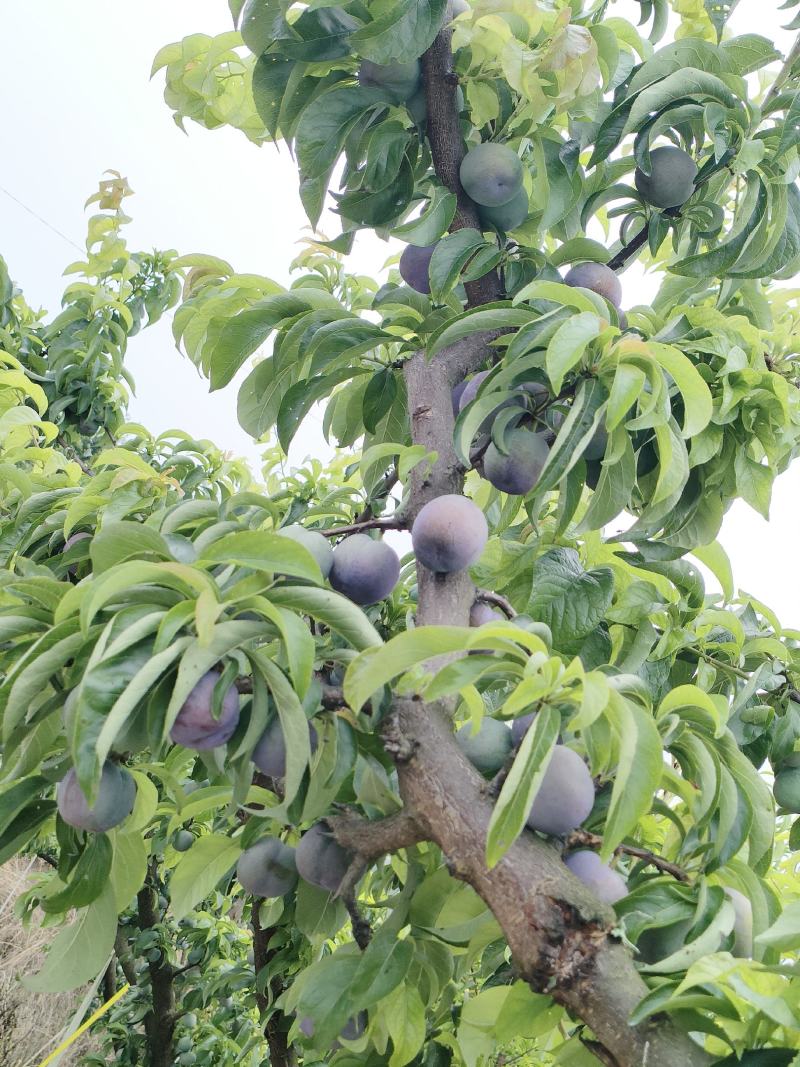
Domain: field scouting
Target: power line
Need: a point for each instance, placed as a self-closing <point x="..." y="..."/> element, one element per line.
<point x="44" y="222"/>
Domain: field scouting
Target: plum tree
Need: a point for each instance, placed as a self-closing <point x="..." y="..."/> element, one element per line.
<point x="670" y="182"/>
<point x="612" y="644"/>
<point x="489" y="748"/>
<point x="182" y="840"/>
<point x="320" y="859"/>
<point x="268" y="868"/>
<point x="786" y="789"/>
<point x="597" y="277"/>
<point x="195" y="726"/>
<point x="606" y="884"/>
<point x="414" y="263"/>
<point x="317" y="545"/>
<point x="269" y="755"/>
<point x="114" y="802"/>
<point x="364" y="570"/>
<point x="520" y="726"/>
<point x="399" y="80"/>
<point x="566" y="795"/>
<point x="491" y="174"/>
<point x="519" y="470"/>
<point x="480" y="613"/>
<point x="743" y="923"/>
<point x="449" y="534"/>
<point x="507" y="216"/>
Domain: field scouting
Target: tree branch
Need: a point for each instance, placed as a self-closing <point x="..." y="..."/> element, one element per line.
<point x="388" y="482"/>
<point x="394" y="523"/>
<point x="447" y="146"/>
<point x="160" y="1020"/>
<point x="583" y="839"/>
<point x="281" y="1053"/>
<point x="487" y="597"/>
<point x="369" y="839"/>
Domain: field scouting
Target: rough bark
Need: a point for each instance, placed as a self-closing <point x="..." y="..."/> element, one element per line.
<point x="281" y="1053"/>
<point x="159" y="1023"/>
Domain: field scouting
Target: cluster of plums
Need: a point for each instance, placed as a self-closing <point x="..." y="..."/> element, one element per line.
<point x="564" y="800"/>
<point x="448" y="535"/>
<point x="271" y="868"/>
<point x="491" y="175"/>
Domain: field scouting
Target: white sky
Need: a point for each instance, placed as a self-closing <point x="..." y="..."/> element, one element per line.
<point x="74" y="81"/>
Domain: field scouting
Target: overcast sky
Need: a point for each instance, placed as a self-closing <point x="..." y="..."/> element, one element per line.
<point x="75" y="78"/>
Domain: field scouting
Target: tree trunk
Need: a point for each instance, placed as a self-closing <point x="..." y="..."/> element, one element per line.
<point x="281" y="1053"/>
<point x="159" y="1023"/>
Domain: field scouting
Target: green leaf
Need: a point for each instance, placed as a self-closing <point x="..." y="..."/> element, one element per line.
<point x="262" y="551"/>
<point x="682" y="83"/>
<point x="247" y="331"/>
<point x="582" y="248"/>
<point x="696" y="395"/>
<point x="519" y="790"/>
<point x="404" y="1016"/>
<point x="79" y="950"/>
<point x="568" y="344"/>
<point x="784" y="933"/>
<point x="383" y="967"/>
<point x="294" y="724"/>
<point x="488" y="317"/>
<point x="402" y="34"/>
<point x="378" y="398"/>
<point x="270" y="81"/>
<point x="570" y="600"/>
<point x="301" y="397"/>
<point x="583" y="300"/>
<point x="753" y="481"/>
<point x="332" y="609"/>
<point x="584" y="417"/>
<point x="116" y="542"/>
<point x="22" y="828"/>
<point x="432" y="223"/>
<point x="376" y="667"/>
<point x="326" y="122"/>
<point x="199" y="870"/>
<point x="450" y="257"/>
<point x="88" y="878"/>
<point x="129" y="869"/>
<point x="716" y="559"/>
<point x="261" y="395"/>
<point x="640" y="763"/>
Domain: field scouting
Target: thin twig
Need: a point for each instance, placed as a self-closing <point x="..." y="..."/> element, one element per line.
<point x="362" y="931"/>
<point x="584" y="839"/>
<point x="395" y="523"/>
<point x="70" y="452"/>
<point x="388" y="482"/>
<point x="486" y="596"/>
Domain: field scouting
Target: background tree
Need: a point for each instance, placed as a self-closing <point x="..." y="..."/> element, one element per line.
<point x="600" y="882"/>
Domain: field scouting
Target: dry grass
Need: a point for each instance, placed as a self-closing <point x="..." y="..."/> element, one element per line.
<point x="29" y="1022"/>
